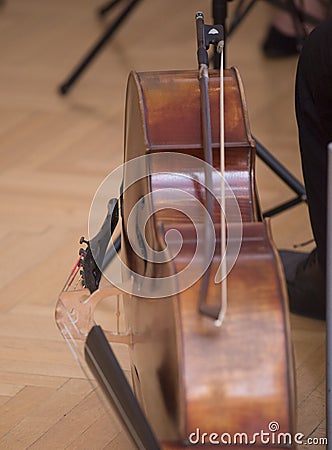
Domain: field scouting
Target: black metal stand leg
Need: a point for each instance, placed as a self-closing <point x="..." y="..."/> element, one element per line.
<point x="64" y="88"/>
<point x="285" y="176"/>
<point x="240" y="13"/>
<point x="105" y="8"/>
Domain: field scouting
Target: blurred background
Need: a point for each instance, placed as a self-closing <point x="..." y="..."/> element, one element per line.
<point x="56" y="150"/>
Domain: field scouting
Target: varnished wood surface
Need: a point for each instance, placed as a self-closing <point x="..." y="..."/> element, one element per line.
<point x="180" y="101"/>
<point x="239" y="376"/>
<point x="54" y="154"/>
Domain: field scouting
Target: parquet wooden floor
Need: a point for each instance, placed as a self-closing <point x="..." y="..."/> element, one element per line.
<point x="55" y="152"/>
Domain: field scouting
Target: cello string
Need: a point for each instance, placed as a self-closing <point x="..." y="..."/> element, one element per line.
<point x="223" y="303"/>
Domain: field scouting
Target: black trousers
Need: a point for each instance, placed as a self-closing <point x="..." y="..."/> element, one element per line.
<point x="313" y="101"/>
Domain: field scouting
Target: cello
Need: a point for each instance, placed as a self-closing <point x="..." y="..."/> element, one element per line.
<point x="199" y="380"/>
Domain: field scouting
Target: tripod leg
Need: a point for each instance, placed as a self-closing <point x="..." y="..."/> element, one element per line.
<point x="280" y="170"/>
<point x="104" y="9"/>
<point x="64" y="87"/>
<point x="285" y="176"/>
<point x="239" y="14"/>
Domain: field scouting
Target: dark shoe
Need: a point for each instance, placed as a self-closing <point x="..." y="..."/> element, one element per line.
<point x="305" y="283"/>
<point x="278" y="45"/>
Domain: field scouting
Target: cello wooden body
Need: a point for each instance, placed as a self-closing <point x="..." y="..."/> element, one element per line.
<point x="194" y="380"/>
